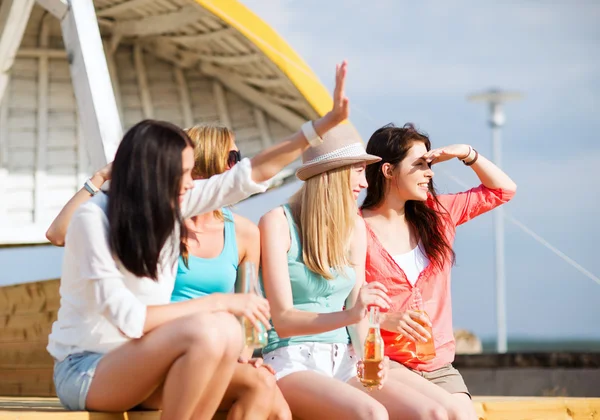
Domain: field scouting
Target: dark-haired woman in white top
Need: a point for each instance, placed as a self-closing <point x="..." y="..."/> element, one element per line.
<point x="118" y="343"/>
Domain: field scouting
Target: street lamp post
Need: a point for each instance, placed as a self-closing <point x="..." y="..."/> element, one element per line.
<point x="495" y="98"/>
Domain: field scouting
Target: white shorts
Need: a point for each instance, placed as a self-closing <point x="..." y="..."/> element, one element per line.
<point x="333" y="360"/>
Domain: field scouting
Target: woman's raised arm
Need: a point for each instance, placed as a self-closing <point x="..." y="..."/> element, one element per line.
<point x="57" y="231"/>
<point x="269" y="162"/>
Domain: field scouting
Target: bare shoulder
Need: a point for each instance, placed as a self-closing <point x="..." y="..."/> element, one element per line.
<point x="273" y="219"/>
<point x="274" y="229"/>
<point x="360" y="229"/>
<point x="245" y="227"/>
<point x="358" y="242"/>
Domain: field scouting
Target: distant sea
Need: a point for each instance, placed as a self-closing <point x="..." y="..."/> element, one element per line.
<point x="523" y="345"/>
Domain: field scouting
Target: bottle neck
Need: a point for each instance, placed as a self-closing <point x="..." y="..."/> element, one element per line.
<point x="247" y="278"/>
<point x="374" y="317"/>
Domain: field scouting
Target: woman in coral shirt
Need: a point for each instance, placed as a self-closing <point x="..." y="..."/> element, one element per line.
<point x="410" y="232"/>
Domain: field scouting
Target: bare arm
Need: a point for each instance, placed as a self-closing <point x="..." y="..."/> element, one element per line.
<point x="358" y="332"/>
<point x="288" y="321"/>
<point x="251" y="306"/>
<point x="248" y="241"/>
<point x="57" y="231"/>
<point x="158" y="315"/>
<point x="492" y="176"/>
<point x="271" y="161"/>
<point x="489" y="174"/>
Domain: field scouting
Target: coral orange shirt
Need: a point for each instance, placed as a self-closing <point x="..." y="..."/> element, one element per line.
<point x="431" y="291"/>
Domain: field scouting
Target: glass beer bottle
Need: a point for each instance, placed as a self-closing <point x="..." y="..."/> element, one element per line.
<point x="248" y="283"/>
<point x="373" y="351"/>
<point x="425" y="351"/>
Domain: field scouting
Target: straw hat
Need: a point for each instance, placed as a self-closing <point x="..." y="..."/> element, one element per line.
<point x="341" y="146"/>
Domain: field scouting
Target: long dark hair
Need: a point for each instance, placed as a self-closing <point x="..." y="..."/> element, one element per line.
<point x="392" y="144"/>
<point x="143" y="207"/>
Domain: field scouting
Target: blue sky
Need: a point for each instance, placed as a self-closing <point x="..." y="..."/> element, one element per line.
<point x="417" y="61"/>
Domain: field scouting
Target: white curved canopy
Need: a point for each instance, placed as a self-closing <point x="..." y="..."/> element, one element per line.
<point x="184" y="61"/>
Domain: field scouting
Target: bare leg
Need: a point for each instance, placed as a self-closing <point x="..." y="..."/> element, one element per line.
<point x="222" y="382"/>
<point x="466" y="406"/>
<point x="456" y="410"/>
<point x="281" y="409"/>
<point x="183" y="354"/>
<point x="403" y="402"/>
<point x="313" y="396"/>
<point x="249" y="394"/>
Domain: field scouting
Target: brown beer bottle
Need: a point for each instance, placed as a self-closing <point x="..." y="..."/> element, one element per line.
<point x="373" y="351"/>
<point x="425" y="351"/>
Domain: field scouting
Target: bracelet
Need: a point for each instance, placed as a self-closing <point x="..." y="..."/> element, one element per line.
<point x="91" y="188"/>
<point x="312" y="137"/>
<point x="468" y="157"/>
<point x="472" y="161"/>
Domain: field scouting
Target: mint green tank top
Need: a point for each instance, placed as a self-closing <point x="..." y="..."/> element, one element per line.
<point x="312" y="293"/>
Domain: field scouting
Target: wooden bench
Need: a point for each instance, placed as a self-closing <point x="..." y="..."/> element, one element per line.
<point x="26" y="315"/>
<point x="488" y="408"/>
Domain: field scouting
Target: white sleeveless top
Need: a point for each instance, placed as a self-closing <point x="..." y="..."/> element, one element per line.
<point x="412" y="263"/>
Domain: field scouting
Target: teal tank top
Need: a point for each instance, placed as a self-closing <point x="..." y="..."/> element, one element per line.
<point x="312" y="293"/>
<point x="209" y="275"/>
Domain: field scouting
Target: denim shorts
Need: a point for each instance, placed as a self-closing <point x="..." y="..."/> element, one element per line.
<point x="73" y="377"/>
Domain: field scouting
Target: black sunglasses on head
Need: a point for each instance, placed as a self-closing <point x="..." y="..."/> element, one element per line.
<point x="234" y="157"/>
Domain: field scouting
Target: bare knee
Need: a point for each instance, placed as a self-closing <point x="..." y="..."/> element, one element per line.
<point x="461" y="410"/>
<point x="257" y="387"/>
<point x="261" y="381"/>
<point x="200" y="334"/>
<point x="267" y="380"/>
<point x="230" y="332"/>
<point x="436" y="412"/>
<point x="281" y="412"/>
<point x="371" y="410"/>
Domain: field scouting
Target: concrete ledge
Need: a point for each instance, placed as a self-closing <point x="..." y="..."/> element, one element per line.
<point x="557" y="374"/>
<point x="572" y="360"/>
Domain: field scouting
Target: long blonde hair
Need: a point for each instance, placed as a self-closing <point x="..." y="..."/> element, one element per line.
<point x="324" y="210"/>
<point x="211" y="148"/>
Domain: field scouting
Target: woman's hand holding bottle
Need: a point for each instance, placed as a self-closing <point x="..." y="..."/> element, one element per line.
<point x="251" y="306"/>
<point x="411" y="324"/>
<point x="372" y="294"/>
<point x="383" y="367"/>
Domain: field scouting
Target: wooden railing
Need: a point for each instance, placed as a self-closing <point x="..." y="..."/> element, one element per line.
<point x="27" y="312"/>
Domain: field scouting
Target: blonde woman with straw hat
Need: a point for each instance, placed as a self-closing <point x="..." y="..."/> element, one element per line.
<point x="313" y="256"/>
<point x="313" y="270"/>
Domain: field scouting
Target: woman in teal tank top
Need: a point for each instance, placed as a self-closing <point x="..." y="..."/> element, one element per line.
<point x="215" y="245"/>
<point x="203" y="276"/>
<point x="314" y="251"/>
